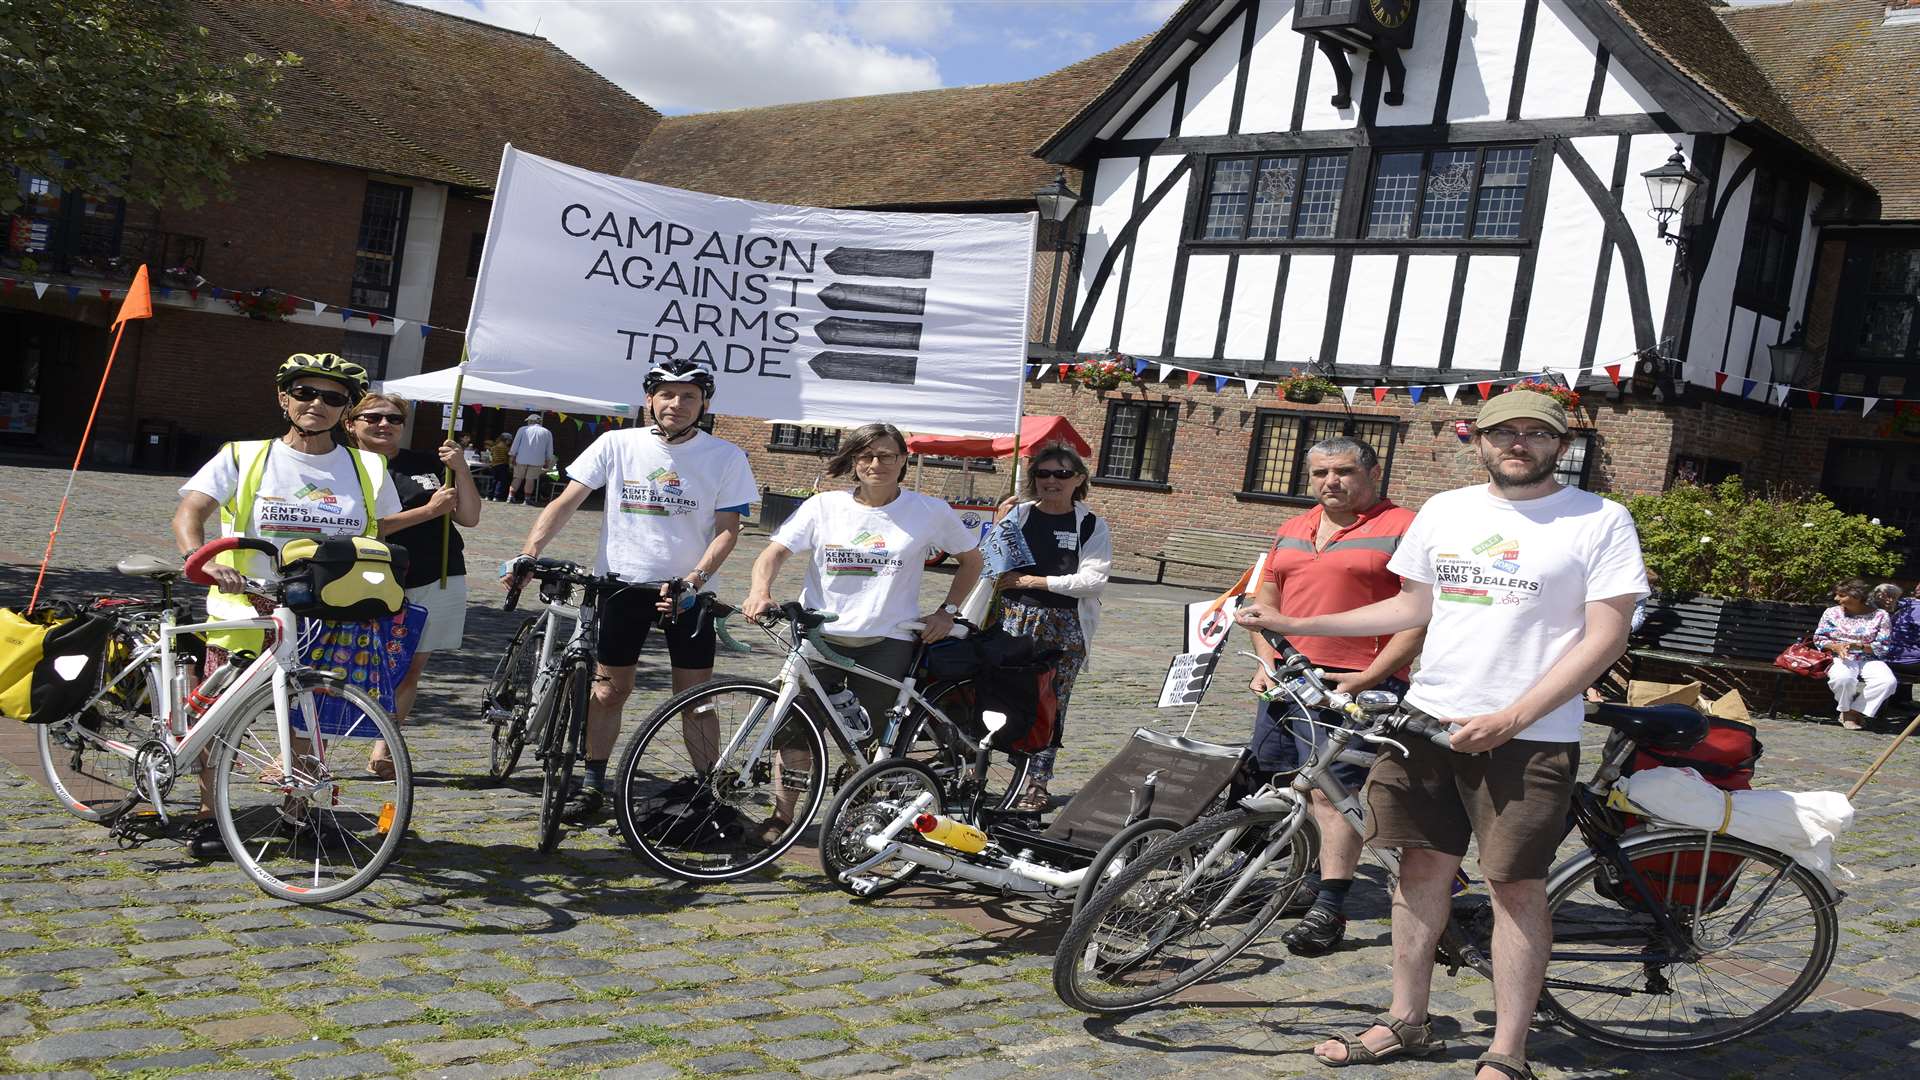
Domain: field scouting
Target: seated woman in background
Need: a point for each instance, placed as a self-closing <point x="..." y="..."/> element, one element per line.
<point x="1856" y="634"/>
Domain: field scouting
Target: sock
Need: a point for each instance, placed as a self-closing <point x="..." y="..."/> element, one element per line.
<point x="1333" y="895"/>
<point x="596" y="775"/>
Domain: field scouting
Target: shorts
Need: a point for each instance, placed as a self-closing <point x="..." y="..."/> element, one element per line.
<point x="446" y="613"/>
<point x="626" y="616"/>
<point x="1513" y="800"/>
<point x="528" y="474"/>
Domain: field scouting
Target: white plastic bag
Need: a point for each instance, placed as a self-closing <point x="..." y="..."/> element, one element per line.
<point x="1803" y="824"/>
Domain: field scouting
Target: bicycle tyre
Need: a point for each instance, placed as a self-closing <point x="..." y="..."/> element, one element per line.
<point x="1586" y="917"/>
<point x="508" y="700"/>
<point x="92" y="782"/>
<point x="560" y="749"/>
<point x="705" y="823"/>
<point x="920" y="739"/>
<point x="1146" y="888"/>
<point x="1127" y="844"/>
<point x="265" y="827"/>
<point x="864" y="806"/>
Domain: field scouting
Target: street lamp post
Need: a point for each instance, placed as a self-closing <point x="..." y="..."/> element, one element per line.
<point x="1056" y="202"/>
<point x="1668" y="188"/>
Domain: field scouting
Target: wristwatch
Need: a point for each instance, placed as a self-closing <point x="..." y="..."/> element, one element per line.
<point x="951" y="609"/>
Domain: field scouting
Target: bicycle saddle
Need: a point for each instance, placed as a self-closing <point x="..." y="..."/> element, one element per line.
<point x="1662" y="727"/>
<point x="148" y="566"/>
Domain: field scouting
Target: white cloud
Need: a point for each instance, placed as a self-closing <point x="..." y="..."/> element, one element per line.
<point x="699" y="55"/>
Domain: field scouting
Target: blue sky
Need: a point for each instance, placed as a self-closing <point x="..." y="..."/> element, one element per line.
<point x="698" y="55"/>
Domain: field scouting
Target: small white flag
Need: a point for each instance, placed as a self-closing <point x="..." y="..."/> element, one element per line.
<point x="1451" y="390"/>
<point x="319" y="308"/>
<point x="1780" y="393"/>
<point x="1165" y="370"/>
<point x="39" y="290"/>
<point x="1628" y="365"/>
<point x="1867" y="404"/>
<point x="397" y="324"/>
<point x="1347" y="392"/>
<point x="1253" y="387"/>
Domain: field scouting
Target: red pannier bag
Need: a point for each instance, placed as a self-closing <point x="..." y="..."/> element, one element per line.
<point x="1725" y="759"/>
<point x="1026" y="695"/>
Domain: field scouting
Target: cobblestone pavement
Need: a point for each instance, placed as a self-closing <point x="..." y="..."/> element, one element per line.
<point x="474" y="957"/>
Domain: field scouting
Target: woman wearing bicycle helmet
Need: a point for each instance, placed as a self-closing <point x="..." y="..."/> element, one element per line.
<point x="301" y="484"/>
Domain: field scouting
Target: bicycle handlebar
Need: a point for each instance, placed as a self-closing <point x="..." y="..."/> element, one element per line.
<point x="1295" y="663"/>
<point x="196" y="567"/>
<point x="1434" y="731"/>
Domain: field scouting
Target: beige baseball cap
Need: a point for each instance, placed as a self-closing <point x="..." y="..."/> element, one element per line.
<point x="1522" y="404"/>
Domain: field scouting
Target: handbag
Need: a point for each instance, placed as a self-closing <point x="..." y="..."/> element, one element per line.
<point x="1802" y="658"/>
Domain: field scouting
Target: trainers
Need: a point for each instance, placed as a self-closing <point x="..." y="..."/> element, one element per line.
<point x="1316" y="935"/>
<point x="206" y="844"/>
<point x="584" y="805"/>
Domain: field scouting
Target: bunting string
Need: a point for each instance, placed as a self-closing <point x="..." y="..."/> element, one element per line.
<point x="202" y="286"/>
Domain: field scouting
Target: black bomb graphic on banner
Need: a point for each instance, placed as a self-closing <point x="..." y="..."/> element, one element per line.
<point x="801" y="314"/>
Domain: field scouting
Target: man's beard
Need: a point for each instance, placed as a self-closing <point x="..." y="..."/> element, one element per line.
<point x="1527" y="479"/>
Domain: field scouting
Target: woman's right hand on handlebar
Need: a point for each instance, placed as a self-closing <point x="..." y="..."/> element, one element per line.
<point x="227" y="579"/>
<point x="1260" y="683"/>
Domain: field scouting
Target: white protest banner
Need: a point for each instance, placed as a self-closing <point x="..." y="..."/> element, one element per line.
<point x="1187" y="679"/>
<point x="834" y="317"/>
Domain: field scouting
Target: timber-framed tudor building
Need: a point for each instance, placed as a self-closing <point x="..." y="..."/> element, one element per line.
<point x="1399" y="193"/>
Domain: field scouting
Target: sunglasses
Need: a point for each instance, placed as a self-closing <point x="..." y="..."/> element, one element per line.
<point x="1055" y="474"/>
<point x="393" y="418"/>
<point x="303" y="392"/>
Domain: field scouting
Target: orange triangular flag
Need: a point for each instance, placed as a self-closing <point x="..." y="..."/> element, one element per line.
<point x="139" y="302"/>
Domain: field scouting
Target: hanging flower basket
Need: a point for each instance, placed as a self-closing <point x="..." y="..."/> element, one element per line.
<point x="1307" y="389"/>
<point x="1903" y="424"/>
<point x="1107" y="374"/>
<point x="263" y="303"/>
<point x="1568" y="398"/>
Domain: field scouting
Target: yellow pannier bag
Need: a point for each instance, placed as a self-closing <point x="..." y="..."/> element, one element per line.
<point x="49" y="661"/>
<point x="344" y="578"/>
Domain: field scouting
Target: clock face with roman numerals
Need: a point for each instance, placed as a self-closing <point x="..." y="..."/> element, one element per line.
<point x="1391" y="14"/>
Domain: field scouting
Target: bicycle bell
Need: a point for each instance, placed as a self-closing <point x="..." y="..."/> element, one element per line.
<point x="1374" y="702"/>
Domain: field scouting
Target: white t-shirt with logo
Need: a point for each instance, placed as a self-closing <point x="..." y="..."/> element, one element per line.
<point x="867" y="560"/>
<point x="1511" y="581"/>
<point x="661" y="498"/>
<point x="300" y="495"/>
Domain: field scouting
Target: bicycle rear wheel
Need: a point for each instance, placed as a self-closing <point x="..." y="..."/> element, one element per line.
<point x="867" y="804"/>
<point x="924" y="740"/>
<point x="1154" y="929"/>
<point x="560" y="748"/>
<point x="324" y="831"/>
<point x="90" y="762"/>
<point x="509" y="698"/>
<point x="690" y="814"/>
<point x="1759" y="944"/>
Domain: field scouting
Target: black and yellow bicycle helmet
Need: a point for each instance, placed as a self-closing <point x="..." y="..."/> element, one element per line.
<point x="323" y="366"/>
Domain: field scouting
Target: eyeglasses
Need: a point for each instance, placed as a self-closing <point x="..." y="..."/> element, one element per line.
<point x="1504" y="438"/>
<point x="303" y="392"/>
<point x="393" y="418"/>
<point x="1055" y="474"/>
<point x="882" y="456"/>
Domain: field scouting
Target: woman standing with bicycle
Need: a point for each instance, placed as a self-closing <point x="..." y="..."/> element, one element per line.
<point x="1055" y="601"/>
<point x="867" y="552"/>
<point x="433" y="549"/>
<point x="302" y="484"/>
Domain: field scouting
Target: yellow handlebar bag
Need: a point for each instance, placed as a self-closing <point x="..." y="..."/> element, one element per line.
<point x="344" y="578"/>
<point x="49" y="661"/>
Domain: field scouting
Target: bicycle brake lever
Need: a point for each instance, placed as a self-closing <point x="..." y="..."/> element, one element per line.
<point x="1384" y="741"/>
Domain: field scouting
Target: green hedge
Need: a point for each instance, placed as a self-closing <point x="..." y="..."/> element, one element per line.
<point x="1727" y="541"/>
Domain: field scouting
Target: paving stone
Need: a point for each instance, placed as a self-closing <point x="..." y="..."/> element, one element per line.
<point x="803" y="1049"/>
<point x="12" y="940"/>
<point x="485" y="1070"/>
<point x="339" y="1068"/>
<point x="292" y="936"/>
<point x="246" y="1029"/>
<point x="795" y="1025"/>
<point x="545" y="1037"/>
<point x="592" y="1054"/>
<point x="286" y="1051"/>
<point x="371" y="1013"/>
<point x="179" y="1059"/>
<point x="62" y="960"/>
<point x="211" y="1006"/>
<point x="415" y="983"/>
<point x="457" y="1050"/>
<point x="643" y="1070"/>
<point x="540" y="993"/>
<point x="726" y="1035"/>
<point x="12" y="1017"/>
<point x="734" y="1010"/>
<point x="467" y="1002"/>
<point x="896" y="986"/>
<point x="852" y="1065"/>
<point x="82" y="996"/>
<point x="982" y="1070"/>
<point x="81" y="1045"/>
<point x="733" y="1061"/>
<point x="380" y="1036"/>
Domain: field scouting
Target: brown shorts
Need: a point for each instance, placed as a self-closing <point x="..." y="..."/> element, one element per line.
<point x="1513" y="800"/>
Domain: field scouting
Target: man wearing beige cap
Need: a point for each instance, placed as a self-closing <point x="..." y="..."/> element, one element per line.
<point x="1526" y="588"/>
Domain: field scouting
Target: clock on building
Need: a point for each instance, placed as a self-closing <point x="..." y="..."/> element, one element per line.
<point x="1380" y="27"/>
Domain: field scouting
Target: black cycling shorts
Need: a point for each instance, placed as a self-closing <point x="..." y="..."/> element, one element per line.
<point x="626" y="616"/>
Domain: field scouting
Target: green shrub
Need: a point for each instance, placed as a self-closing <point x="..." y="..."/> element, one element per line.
<point x="1727" y="541"/>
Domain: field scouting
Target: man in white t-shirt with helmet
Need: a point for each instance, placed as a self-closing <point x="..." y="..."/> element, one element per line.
<point x="675" y="496"/>
<point x="1526" y="589"/>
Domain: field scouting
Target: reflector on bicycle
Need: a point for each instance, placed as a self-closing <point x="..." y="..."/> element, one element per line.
<point x="49" y="661"/>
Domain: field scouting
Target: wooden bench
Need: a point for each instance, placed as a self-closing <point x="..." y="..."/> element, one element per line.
<point x="1726" y="635"/>
<point x="1214" y="549"/>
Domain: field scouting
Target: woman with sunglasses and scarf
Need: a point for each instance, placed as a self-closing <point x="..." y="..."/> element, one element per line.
<point x="376" y="424"/>
<point x="1055" y="601"/>
<point x="302" y="484"/>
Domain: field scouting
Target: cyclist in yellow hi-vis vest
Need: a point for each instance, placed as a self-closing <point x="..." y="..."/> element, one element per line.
<point x="302" y="484"/>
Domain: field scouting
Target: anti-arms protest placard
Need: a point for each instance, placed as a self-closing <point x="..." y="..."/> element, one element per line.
<point x="815" y="316"/>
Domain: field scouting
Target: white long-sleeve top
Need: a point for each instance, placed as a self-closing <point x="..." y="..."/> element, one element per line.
<point x="1084" y="584"/>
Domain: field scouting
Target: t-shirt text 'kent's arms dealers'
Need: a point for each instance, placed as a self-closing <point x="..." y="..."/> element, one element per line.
<point x="732" y="297"/>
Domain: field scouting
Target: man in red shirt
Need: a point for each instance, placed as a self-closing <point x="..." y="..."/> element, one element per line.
<point x="1333" y="558"/>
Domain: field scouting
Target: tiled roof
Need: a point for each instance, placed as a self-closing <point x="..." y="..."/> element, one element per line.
<point x="407" y="90"/>
<point x="961" y="146"/>
<point x="1688" y="35"/>
<point x="1855" y="82"/>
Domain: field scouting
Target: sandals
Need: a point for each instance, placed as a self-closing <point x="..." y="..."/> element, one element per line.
<point x="1512" y="1066"/>
<point x="1034" y="800"/>
<point x="1413" y="1040"/>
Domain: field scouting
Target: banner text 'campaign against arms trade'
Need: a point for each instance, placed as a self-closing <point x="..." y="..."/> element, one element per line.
<point x="726" y="286"/>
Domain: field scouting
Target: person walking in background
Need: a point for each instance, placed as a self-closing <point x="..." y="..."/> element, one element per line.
<point x="499" y="467"/>
<point x="531" y="452"/>
<point x="1055" y="602"/>
<point x="376" y="424"/>
<point x="1332" y="558"/>
<point x="1856" y="633"/>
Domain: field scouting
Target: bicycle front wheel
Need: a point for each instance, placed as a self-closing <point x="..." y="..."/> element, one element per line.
<point x="866" y="806"/>
<point x="1758" y="933"/>
<point x="923" y="739"/>
<point x="560" y="748"/>
<point x="715" y="785"/>
<point x="1173" y="917"/>
<point x="324" y="830"/>
<point x="509" y="698"/>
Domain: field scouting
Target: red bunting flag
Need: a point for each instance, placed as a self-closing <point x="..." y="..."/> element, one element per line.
<point x="1613" y="372"/>
<point x="1719" y="379"/>
<point x="1486" y="390"/>
<point x="1192" y="377"/>
<point x="106" y="294"/>
<point x="1063" y="371"/>
<point x="193" y="293"/>
<point x="1813" y="397"/>
<point x="373" y="319"/>
<point x="1379" y="394"/>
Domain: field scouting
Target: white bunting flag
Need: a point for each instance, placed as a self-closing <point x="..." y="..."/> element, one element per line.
<point x="1253" y="387"/>
<point x="319" y="307"/>
<point x="1347" y="392"/>
<point x="1627" y="366"/>
<point x="39" y="290"/>
<point x="1165" y="370"/>
<point x="1780" y="393"/>
<point x="1867" y="404"/>
<point x="1452" y="390"/>
<point x="397" y="324"/>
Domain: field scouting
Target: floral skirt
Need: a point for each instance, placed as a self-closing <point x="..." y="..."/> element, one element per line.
<point x="1051" y="628"/>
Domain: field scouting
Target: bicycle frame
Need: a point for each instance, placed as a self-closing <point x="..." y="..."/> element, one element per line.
<point x="553" y="650"/>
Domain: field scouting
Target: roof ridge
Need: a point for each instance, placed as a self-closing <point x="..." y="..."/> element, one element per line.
<point x="253" y="35"/>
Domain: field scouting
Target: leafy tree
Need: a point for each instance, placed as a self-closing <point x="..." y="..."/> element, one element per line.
<point x="130" y="99"/>
<point x="1727" y="541"/>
